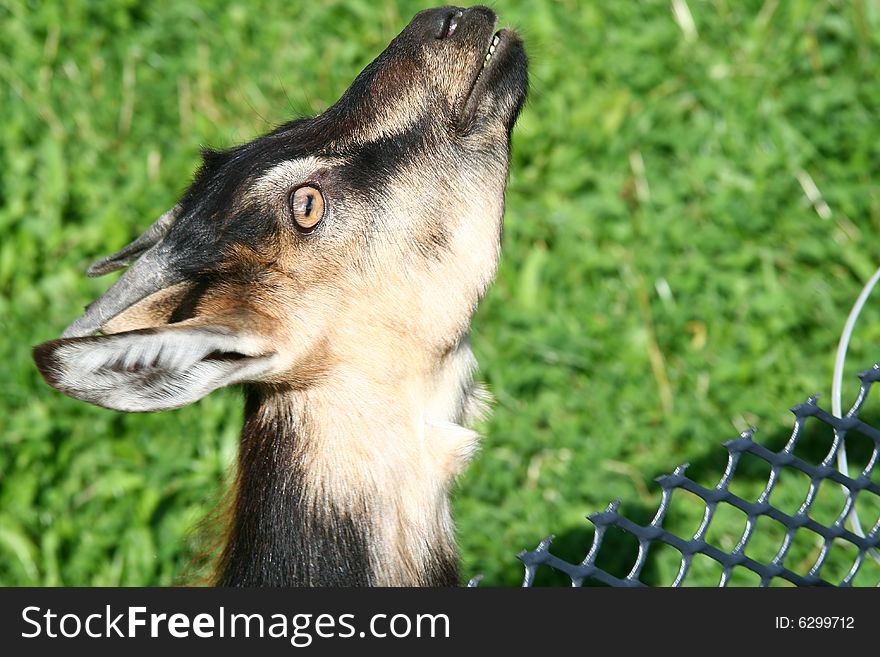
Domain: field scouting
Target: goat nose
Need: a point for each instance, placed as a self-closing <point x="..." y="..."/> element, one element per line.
<point x="449" y="22"/>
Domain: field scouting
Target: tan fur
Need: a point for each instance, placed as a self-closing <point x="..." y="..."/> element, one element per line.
<point x="363" y="327"/>
<point x="380" y="406"/>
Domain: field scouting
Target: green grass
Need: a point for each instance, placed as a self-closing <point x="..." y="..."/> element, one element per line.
<point x="665" y="282"/>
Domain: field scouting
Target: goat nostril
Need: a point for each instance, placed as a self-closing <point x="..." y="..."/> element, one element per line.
<point x="450" y="23"/>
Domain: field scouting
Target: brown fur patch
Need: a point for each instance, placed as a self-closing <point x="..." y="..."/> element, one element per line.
<point x="356" y="422"/>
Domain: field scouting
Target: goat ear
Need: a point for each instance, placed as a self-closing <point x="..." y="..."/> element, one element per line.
<point x="152" y="369"/>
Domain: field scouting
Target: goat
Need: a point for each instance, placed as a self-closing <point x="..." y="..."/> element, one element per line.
<point x="332" y="267"/>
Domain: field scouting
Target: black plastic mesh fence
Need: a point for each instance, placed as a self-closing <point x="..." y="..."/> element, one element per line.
<point x="828" y="536"/>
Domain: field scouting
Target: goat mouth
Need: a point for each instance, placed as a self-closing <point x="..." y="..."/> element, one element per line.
<point x="493" y="54"/>
<point x="496" y="40"/>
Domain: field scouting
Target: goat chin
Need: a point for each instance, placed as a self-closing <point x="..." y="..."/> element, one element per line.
<point x="332" y="268"/>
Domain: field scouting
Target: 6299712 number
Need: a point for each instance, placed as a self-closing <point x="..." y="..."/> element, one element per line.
<point x="826" y="622"/>
<point x="816" y="622"/>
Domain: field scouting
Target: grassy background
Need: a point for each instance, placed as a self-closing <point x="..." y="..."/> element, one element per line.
<point x="665" y="281"/>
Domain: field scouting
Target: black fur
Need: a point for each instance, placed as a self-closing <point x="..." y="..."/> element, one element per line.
<point x="209" y="221"/>
<point x="274" y="540"/>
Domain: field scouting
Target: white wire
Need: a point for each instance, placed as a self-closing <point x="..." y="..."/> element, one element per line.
<point x="837" y="383"/>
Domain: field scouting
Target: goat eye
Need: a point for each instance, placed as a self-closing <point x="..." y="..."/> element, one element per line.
<point x="307" y="207"/>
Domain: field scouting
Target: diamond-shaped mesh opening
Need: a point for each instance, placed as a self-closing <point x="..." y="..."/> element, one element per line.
<point x="703" y="569"/>
<point x="621" y="555"/>
<point x="766" y="540"/>
<point x="741" y="576"/>
<point x="868" y="573"/>
<point x="686" y="515"/>
<point x="867" y="507"/>
<point x="751" y="477"/>
<point x="829" y="504"/>
<point x="727" y="527"/>
<point x="663" y="565"/>
<point x="860" y="454"/>
<point x="781" y="583"/>
<point x="814" y="440"/>
<point x="792" y="533"/>
<point x="839" y="562"/>
<point x="791" y="490"/>
<point x="803" y="551"/>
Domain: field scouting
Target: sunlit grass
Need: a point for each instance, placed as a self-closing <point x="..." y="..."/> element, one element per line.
<point x="669" y="276"/>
